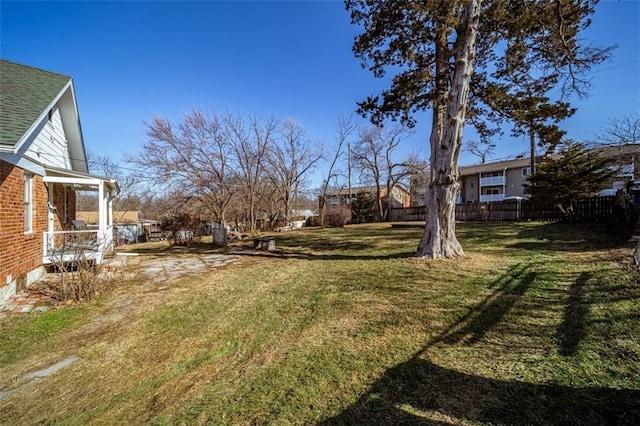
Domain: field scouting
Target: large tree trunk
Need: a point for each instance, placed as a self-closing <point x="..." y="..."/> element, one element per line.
<point x="439" y="238"/>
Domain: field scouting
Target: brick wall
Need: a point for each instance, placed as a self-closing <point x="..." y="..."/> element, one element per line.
<point x="63" y="218"/>
<point x="20" y="252"/>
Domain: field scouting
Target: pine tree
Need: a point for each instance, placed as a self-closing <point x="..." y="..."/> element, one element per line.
<point x="363" y="207"/>
<point x="574" y="174"/>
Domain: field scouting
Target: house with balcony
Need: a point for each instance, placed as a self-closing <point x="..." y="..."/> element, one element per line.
<point x="498" y="180"/>
<point x="43" y="164"/>
<point x="493" y="181"/>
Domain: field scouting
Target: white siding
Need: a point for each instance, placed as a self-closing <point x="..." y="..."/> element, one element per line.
<point x="48" y="143"/>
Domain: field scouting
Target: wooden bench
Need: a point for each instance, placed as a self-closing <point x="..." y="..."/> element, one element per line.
<point x="267" y="244"/>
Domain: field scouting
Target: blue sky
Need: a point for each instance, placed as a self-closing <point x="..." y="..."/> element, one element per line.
<point x="131" y="61"/>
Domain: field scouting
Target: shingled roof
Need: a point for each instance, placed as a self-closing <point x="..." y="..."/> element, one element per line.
<point x="25" y="94"/>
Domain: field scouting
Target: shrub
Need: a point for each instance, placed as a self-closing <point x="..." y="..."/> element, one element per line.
<point x="182" y="229"/>
<point x="79" y="276"/>
<point x="337" y="216"/>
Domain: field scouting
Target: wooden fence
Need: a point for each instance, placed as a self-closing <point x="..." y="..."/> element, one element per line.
<point x="591" y="209"/>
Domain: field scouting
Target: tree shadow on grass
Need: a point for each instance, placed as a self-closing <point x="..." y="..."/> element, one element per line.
<point x="571" y="237"/>
<point x="318" y="256"/>
<point x="572" y="329"/>
<point x="420" y="392"/>
<point x="162" y="248"/>
<point x="507" y="290"/>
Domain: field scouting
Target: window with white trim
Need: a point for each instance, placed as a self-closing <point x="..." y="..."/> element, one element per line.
<point x="27" y="186"/>
<point x="526" y="171"/>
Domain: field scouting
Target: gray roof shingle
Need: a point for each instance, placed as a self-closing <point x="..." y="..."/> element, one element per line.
<point x="25" y="93"/>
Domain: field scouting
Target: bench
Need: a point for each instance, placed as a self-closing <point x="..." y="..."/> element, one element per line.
<point x="267" y="244"/>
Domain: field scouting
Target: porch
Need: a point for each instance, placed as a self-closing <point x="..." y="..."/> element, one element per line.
<point x="82" y="242"/>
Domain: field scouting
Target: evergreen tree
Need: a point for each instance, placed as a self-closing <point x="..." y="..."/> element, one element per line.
<point x="574" y="174"/>
<point x="363" y="207"/>
<point x="477" y="61"/>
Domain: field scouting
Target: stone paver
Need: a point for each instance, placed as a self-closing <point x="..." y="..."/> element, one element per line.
<point x="157" y="270"/>
<point x="25" y="302"/>
<point x="161" y="270"/>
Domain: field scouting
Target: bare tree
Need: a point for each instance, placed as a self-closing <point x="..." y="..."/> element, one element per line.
<point x="481" y="149"/>
<point x="127" y="198"/>
<point x="345" y="127"/>
<point x="373" y="156"/>
<point x="191" y="156"/>
<point x="250" y="140"/>
<point x="290" y="161"/>
<point x="621" y="131"/>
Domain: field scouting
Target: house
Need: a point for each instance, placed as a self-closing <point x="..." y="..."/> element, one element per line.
<point x="498" y="180"/>
<point x="627" y="158"/>
<point x="399" y="198"/>
<point x="127" y="225"/>
<point x="493" y="181"/>
<point x="42" y="164"/>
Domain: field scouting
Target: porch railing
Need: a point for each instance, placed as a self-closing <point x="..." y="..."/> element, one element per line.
<point x="72" y="245"/>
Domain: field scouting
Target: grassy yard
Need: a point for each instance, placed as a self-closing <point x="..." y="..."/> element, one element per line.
<point x="539" y="324"/>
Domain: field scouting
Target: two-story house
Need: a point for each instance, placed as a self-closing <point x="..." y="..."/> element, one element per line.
<point x="498" y="180"/>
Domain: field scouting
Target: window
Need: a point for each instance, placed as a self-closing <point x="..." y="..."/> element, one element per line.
<point x="526" y="171"/>
<point x="28" y="202"/>
<point x="472" y="185"/>
<point x="493" y="191"/>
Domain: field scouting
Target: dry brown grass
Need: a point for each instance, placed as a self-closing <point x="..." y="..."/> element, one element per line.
<point x="309" y="334"/>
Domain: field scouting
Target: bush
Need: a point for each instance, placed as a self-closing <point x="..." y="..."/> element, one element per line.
<point x="337" y="216"/>
<point x="182" y="229"/>
<point x="79" y="276"/>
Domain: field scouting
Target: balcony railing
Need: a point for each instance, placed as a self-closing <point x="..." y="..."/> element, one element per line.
<point x="491" y="197"/>
<point x="492" y="181"/>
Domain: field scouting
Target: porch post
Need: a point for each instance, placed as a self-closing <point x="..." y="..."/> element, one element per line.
<point x="51" y="207"/>
<point x="102" y="216"/>
<point x="48" y="240"/>
<point x="110" y="227"/>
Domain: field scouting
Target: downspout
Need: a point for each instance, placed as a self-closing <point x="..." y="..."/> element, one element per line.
<point x="504" y="185"/>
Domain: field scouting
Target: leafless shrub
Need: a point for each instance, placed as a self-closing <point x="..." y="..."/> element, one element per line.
<point x="75" y="259"/>
<point x="182" y="229"/>
<point x="338" y="216"/>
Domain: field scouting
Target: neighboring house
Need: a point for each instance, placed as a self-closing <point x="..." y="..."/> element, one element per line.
<point x="42" y="163"/>
<point x="399" y="196"/>
<point x="627" y="158"/>
<point x="127" y="224"/>
<point x="493" y="181"/>
<point x="498" y="180"/>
